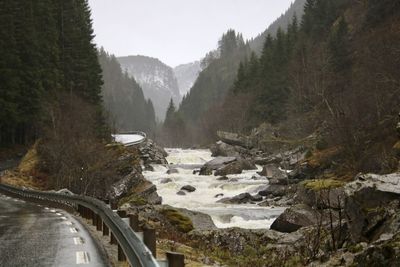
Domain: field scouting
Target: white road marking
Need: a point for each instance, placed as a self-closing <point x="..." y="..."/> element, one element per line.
<point x="59" y="214"/>
<point x="78" y="240"/>
<point x="46" y="208"/>
<point x="63" y="218"/>
<point x="68" y="223"/>
<point x="82" y="257"/>
<point x="53" y="211"/>
<point x="73" y="230"/>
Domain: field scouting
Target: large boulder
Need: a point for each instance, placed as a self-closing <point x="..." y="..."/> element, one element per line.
<point x="221" y="149"/>
<point x="235" y="167"/>
<point x="235" y="139"/>
<point x="274" y="174"/>
<point x="215" y="164"/>
<point x="324" y="193"/>
<point x="239" y="199"/>
<point x="372" y="205"/>
<point x="294" y="218"/>
<point x="274" y="190"/>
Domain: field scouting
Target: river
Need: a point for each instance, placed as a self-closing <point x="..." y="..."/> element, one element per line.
<point x="249" y="216"/>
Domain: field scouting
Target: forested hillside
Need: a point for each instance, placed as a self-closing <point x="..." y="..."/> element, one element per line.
<point x="47" y="56"/>
<point x="50" y="94"/>
<point x="334" y="73"/>
<point x="295" y="9"/>
<point x="127" y="108"/>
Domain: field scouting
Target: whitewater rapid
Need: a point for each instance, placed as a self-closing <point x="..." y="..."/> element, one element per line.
<point x="249" y="216"/>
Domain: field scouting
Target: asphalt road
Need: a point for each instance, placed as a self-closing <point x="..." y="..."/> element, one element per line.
<point x="32" y="235"/>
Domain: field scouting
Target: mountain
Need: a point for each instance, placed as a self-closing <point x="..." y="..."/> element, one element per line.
<point x="123" y="98"/>
<point x="186" y="74"/>
<point x="157" y="80"/>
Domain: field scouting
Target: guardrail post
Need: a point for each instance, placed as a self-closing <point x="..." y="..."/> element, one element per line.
<point x="121" y="254"/>
<point x="134" y="222"/>
<point x="99" y="223"/>
<point x="122" y="213"/>
<point x="149" y="239"/>
<point x="106" y="232"/>
<point x="94" y="218"/>
<point x="175" y="259"/>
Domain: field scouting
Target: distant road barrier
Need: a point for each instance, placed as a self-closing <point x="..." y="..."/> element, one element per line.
<point x="137" y="142"/>
<point x="124" y="232"/>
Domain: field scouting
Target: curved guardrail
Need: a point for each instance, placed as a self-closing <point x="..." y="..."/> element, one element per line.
<point x="134" y="133"/>
<point x="134" y="249"/>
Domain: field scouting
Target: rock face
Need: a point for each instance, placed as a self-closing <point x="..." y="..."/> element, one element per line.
<point x="372" y="206"/>
<point x="221" y="149"/>
<point x="151" y="153"/>
<point x="273" y="191"/>
<point x="134" y="183"/>
<point x="294" y="218"/>
<point x="334" y="198"/>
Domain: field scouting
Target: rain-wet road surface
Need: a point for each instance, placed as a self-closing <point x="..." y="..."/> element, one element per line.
<point x="33" y="235"/>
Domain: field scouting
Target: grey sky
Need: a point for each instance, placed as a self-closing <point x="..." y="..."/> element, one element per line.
<point x="177" y="31"/>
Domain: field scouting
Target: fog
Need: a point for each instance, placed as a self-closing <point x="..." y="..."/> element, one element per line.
<point x="177" y="31"/>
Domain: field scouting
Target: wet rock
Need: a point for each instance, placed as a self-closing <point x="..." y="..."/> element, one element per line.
<point x="166" y="181"/>
<point x="219" y="195"/>
<point x="195" y="172"/>
<point x="148" y="168"/>
<point x="181" y="193"/>
<point x="273" y="191"/>
<point x="172" y="171"/>
<point x="188" y="188"/>
<point x="221" y="149"/>
<point x="294" y="218"/>
<point x="257" y="198"/>
<point x="235" y="167"/>
<point x="239" y="199"/>
<point x="223" y="178"/>
<point x="233" y="180"/>
<point x="215" y="164"/>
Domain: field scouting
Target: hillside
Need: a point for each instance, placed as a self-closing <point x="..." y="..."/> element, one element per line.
<point x="156" y="79"/>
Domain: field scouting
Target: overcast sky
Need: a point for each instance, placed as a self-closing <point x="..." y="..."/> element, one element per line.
<point x="177" y="31"/>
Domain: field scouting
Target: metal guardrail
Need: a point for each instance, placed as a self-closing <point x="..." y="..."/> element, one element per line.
<point x="136" y="133"/>
<point x="134" y="249"/>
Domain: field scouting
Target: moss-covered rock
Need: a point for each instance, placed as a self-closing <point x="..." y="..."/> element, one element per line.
<point x="133" y="199"/>
<point x="180" y="221"/>
<point x="323" y="184"/>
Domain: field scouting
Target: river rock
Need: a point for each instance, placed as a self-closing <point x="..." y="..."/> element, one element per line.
<point x="215" y="164"/>
<point x="294" y="218"/>
<point x="221" y="149"/>
<point x="223" y="178"/>
<point x="235" y="167"/>
<point x="273" y="191"/>
<point x="181" y="193"/>
<point x="188" y="188"/>
<point x="166" y="181"/>
<point x="240" y="199"/>
<point x="172" y="171"/>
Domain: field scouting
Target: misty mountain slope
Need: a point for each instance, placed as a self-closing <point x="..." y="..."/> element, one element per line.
<point x="186" y="74"/>
<point x="123" y="99"/>
<point x="296" y="8"/>
<point x="157" y="80"/>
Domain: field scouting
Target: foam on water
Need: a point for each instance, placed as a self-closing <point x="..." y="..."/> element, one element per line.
<point x="209" y="190"/>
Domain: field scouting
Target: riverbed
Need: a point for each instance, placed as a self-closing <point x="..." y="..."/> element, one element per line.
<point x="209" y="190"/>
